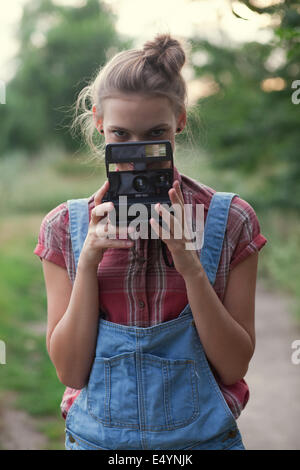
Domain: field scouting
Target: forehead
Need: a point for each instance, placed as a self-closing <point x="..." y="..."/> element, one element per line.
<point x="126" y="110"/>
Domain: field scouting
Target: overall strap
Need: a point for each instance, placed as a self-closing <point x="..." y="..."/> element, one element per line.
<point x="79" y="224"/>
<point x="214" y="231"/>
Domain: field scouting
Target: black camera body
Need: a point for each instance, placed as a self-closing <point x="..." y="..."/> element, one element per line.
<point x="146" y="182"/>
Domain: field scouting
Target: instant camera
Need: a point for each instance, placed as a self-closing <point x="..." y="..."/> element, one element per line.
<point x="145" y="182"/>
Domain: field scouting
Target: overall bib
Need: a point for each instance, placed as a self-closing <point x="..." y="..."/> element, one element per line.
<point x="152" y="388"/>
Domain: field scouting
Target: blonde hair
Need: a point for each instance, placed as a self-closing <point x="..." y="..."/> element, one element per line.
<point x="153" y="70"/>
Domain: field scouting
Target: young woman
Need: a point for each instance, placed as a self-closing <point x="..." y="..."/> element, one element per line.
<point x="152" y="340"/>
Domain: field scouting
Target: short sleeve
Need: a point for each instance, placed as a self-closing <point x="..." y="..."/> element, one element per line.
<point x="52" y="236"/>
<point x="243" y="231"/>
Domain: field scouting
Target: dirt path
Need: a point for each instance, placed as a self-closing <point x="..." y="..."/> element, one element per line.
<point x="271" y="419"/>
<point x="18" y="430"/>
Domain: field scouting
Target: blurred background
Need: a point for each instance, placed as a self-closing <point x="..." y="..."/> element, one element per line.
<point x="243" y="76"/>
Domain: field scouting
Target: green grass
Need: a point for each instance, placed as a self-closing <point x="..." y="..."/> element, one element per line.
<point x="28" y="190"/>
<point x="28" y="371"/>
<point x="39" y="185"/>
<point x="280" y="267"/>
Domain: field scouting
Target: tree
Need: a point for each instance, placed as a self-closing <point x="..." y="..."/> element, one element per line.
<point x="252" y="122"/>
<point x="61" y="48"/>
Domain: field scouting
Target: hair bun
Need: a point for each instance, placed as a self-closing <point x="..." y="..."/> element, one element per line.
<point x="165" y="53"/>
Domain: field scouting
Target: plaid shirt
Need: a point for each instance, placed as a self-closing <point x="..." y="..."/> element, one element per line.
<point x="136" y="287"/>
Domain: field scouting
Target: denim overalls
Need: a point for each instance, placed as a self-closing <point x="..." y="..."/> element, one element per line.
<point x="152" y="388"/>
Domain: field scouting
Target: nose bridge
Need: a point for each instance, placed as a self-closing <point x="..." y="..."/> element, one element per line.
<point x="136" y="138"/>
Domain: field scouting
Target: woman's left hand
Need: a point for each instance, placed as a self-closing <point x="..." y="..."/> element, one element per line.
<point x="186" y="261"/>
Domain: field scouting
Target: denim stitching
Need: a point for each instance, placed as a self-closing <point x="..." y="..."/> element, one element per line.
<point x="214" y="384"/>
<point x="171" y="422"/>
<point x="107" y="415"/>
<point x="140" y="392"/>
<point x="92" y="404"/>
<point x="238" y="441"/>
<point x="167" y="401"/>
<point x="194" y="398"/>
<point x="85" y="443"/>
<point x="217" y="440"/>
<point x="149" y="330"/>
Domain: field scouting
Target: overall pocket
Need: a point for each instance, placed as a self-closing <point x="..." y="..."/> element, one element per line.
<point x="143" y="391"/>
<point x="112" y="391"/>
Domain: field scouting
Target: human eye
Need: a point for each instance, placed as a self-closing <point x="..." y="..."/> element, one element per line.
<point x="119" y="133"/>
<point x="157" y="132"/>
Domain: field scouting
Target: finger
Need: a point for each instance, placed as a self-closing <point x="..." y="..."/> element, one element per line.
<point x="107" y="233"/>
<point x="118" y="232"/>
<point x="177" y="207"/>
<point x="174" y="197"/>
<point x="99" y="195"/>
<point x="176" y="186"/>
<point x="174" y="223"/>
<point x="105" y="229"/>
<point x="170" y="224"/>
<point x="124" y="232"/>
<point x="100" y="211"/>
<point x="159" y="230"/>
<point x="105" y="243"/>
<point x="110" y="243"/>
<point x="166" y="217"/>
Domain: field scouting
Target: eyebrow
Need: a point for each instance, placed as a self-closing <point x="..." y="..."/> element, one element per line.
<point x="163" y="124"/>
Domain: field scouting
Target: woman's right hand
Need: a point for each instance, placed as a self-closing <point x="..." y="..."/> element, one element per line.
<point x="97" y="240"/>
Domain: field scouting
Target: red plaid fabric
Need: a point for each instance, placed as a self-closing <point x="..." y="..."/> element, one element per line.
<point x="137" y="288"/>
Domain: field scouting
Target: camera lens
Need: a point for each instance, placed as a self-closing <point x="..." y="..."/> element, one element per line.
<point x="140" y="183"/>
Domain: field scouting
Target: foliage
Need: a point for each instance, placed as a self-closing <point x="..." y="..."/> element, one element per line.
<point x="61" y="47"/>
<point x="252" y="123"/>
